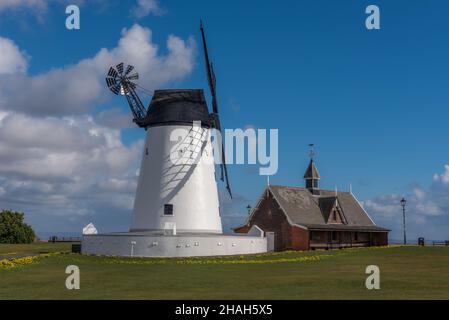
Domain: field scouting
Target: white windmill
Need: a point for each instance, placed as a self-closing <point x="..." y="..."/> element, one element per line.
<point x="176" y="203"/>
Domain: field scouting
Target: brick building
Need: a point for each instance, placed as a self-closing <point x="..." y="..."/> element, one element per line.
<point x="311" y="218"/>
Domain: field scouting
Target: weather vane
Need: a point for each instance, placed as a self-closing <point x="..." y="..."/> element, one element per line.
<point x="311" y="151"/>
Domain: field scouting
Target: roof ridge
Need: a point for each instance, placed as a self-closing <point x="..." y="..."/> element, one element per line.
<point x="284" y="186"/>
<point x="304" y="188"/>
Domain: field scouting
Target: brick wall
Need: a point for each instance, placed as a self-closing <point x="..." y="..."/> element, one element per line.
<point x="270" y="218"/>
<point x="300" y="238"/>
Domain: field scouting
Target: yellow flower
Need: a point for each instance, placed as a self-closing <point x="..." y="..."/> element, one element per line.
<point x="18" y="262"/>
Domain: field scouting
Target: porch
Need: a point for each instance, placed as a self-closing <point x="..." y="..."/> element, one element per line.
<point x="337" y="239"/>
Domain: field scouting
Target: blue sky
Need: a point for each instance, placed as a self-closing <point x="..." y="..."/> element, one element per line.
<point x="373" y="102"/>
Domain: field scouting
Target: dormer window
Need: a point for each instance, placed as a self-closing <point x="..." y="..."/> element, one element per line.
<point x="336" y="215"/>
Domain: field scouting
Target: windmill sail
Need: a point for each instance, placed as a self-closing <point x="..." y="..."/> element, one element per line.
<point x="122" y="83"/>
<point x="217" y="124"/>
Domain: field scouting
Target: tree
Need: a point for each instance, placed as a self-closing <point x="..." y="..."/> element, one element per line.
<point x="13" y="229"/>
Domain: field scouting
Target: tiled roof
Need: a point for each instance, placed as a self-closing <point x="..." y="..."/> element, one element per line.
<point x="303" y="208"/>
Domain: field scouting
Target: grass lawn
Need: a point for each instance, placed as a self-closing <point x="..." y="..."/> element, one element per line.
<point x="13" y="250"/>
<point x="406" y="273"/>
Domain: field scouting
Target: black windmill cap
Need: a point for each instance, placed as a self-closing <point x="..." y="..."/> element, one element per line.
<point x="177" y="107"/>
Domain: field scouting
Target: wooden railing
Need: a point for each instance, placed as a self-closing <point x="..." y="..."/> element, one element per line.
<point x="440" y="243"/>
<point x="337" y="244"/>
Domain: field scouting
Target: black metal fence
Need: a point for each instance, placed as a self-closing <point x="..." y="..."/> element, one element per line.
<point x="64" y="239"/>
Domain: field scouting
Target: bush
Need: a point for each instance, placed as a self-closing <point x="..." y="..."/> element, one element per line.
<point x="13" y="229"/>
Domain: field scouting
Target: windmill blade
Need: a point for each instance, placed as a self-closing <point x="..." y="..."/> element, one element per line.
<point x="212" y="86"/>
<point x="223" y="167"/>
<point x="213" y="90"/>
<point x="130" y="85"/>
<point x="134" y="76"/>
<point x="110" y="82"/>
<point x="112" y="72"/>
<point x="116" y="89"/>
<point x="113" y="85"/>
<point x="213" y="79"/>
<point x="121" y="84"/>
<point x="228" y="186"/>
<point x="209" y="71"/>
<point x="129" y="69"/>
<point x="216" y="125"/>
<point x="120" y="68"/>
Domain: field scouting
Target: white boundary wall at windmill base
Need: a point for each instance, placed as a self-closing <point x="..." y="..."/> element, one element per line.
<point x="176" y="208"/>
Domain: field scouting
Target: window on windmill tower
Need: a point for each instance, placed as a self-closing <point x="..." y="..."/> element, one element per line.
<point x="168" y="210"/>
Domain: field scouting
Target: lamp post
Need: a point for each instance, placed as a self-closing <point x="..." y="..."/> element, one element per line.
<point x="403" y="202"/>
<point x="249" y="209"/>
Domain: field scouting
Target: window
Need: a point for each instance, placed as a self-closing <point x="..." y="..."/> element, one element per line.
<point x="356" y="236"/>
<point x="315" y="236"/>
<point x="334" y="236"/>
<point x="168" y="210"/>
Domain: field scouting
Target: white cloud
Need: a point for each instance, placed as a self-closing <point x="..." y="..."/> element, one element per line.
<point x="427" y="210"/>
<point x="66" y="149"/>
<point x="139" y="8"/>
<point x="144" y="8"/>
<point x="75" y="89"/>
<point x="63" y="163"/>
<point x="38" y="5"/>
<point x="12" y="60"/>
<point x="419" y="193"/>
<point x="444" y="177"/>
<point x="115" y="118"/>
<point x="64" y="167"/>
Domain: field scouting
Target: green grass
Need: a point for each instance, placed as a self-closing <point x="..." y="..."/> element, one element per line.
<point x="34" y="248"/>
<point x="406" y="273"/>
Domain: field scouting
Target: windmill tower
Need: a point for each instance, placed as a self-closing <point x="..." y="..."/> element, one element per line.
<point x="176" y="208"/>
<point x="177" y="191"/>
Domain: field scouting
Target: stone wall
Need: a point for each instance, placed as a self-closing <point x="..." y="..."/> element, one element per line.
<point x="141" y="245"/>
